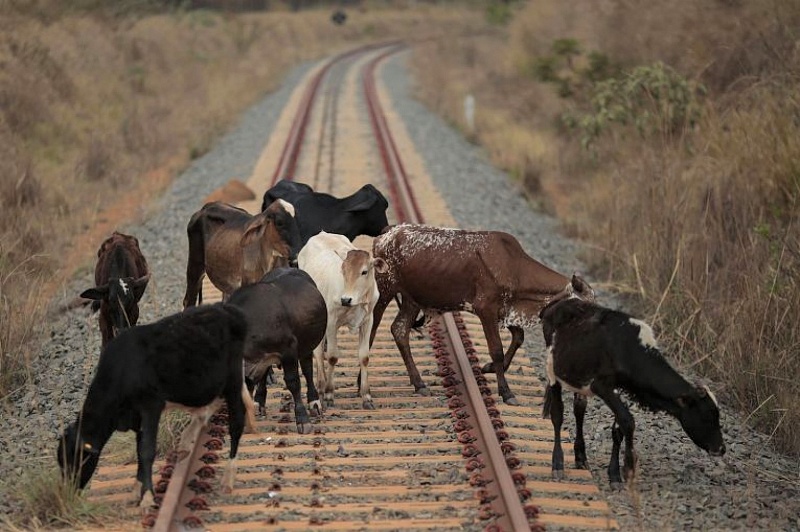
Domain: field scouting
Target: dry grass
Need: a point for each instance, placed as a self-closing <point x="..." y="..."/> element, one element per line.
<point x="698" y="226"/>
<point x="46" y="501"/>
<point x="97" y="98"/>
<point x="121" y="94"/>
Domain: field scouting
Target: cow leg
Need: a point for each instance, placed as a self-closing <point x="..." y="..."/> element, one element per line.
<point x="312" y="394"/>
<point x="363" y="361"/>
<point x="554" y="407"/>
<point x="377" y="315"/>
<point x="106" y="329"/>
<point x="291" y="376"/>
<point x="260" y="395"/>
<point x="146" y="453"/>
<point x="236" y="422"/>
<point x="269" y="377"/>
<point x="623" y="428"/>
<point x="319" y="365"/>
<point x="496" y="351"/>
<point x="579" y="409"/>
<point x="332" y="358"/>
<point x="517" y="337"/>
<point x="401" y="327"/>
<point x="250" y="409"/>
<point x="614" y="476"/>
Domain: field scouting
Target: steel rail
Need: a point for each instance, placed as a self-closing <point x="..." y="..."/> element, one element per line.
<point x="508" y="507"/>
<point x="500" y="492"/>
<point x="179" y="478"/>
<point x="287" y="163"/>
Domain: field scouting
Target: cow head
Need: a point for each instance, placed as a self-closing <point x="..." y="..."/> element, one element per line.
<point x="698" y="414"/>
<point x="358" y="272"/>
<point x="271" y="238"/>
<point x="122" y="298"/>
<point x="371" y="206"/>
<point x="579" y="288"/>
<point x="77" y="458"/>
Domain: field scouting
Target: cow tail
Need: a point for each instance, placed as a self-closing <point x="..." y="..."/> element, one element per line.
<point x="548" y="402"/>
<point x="195" y="266"/>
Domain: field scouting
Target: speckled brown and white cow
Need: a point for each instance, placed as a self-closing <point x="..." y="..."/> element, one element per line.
<point x="486" y="273"/>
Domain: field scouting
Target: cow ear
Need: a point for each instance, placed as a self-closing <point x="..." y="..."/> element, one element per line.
<point x="254" y="231"/>
<point x="139" y="285"/>
<point x="97" y="293"/>
<point x="380" y="265"/>
<point x="342" y="253"/>
<point x="363" y="201"/>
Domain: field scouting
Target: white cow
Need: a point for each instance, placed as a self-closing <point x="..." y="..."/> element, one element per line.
<point x="345" y="276"/>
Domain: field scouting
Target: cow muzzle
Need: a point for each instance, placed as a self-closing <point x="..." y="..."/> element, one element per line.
<point x="347" y="301"/>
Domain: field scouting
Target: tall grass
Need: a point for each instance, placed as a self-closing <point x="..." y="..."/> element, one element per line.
<point x="696" y="218"/>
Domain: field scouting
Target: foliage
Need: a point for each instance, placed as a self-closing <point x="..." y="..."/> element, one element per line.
<point x="498" y="12"/>
<point x="653" y="99"/>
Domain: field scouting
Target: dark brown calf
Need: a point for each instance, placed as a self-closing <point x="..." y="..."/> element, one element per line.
<point x="120" y="276"/>
<point x="483" y="272"/>
<point x="235" y="248"/>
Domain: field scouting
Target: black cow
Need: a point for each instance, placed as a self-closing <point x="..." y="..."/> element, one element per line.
<point x="362" y="213"/>
<point x="597" y="351"/>
<point x="191" y="360"/>
<point x="287" y="319"/>
<point x="120" y="277"/>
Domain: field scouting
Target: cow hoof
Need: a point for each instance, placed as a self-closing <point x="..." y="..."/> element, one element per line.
<point x="487" y="368"/>
<point x="616" y="486"/>
<point x="147" y="502"/>
<point x="581" y="464"/>
<point x="367" y="404"/>
<point x="558" y="474"/>
<point x="424" y="390"/>
<point x="511" y="400"/>
<point x="328" y="402"/>
<point x="262" y="411"/>
<point x="305" y="428"/>
<point x="316" y="408"/>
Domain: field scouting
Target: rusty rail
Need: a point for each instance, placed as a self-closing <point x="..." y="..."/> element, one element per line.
<point x="450" y="341"/>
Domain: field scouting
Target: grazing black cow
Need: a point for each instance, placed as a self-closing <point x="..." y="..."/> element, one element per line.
<point x="362" y="213"/>
<point x="120" y="276"/>
<point x="191" y="360"/>
<point x="287" y="319"/>
<point x="597" y="351"/>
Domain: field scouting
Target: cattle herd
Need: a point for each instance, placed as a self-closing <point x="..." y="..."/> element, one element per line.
<point x="291" y="277"/>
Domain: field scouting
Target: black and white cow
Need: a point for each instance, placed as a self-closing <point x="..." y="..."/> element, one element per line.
<point x="191" y="360"/>
<point x="361" y="213"/>
<point x="593" y="350"/>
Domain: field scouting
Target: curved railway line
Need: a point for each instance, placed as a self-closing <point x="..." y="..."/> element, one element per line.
<point x="457" y="459"/>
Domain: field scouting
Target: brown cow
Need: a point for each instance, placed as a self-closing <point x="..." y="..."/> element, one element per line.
<point x="483" y="272"/>
<point x="120" y="276"/>
<point x="235" y="248"/>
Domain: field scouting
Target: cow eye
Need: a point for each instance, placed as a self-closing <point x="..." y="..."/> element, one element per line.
<point x="364" y="272"/>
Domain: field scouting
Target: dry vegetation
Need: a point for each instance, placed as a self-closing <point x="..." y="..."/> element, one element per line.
<point x="101" y="103"/>
<point x="668" y="135"/>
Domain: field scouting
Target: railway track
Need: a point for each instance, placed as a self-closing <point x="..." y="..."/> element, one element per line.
<point x="457" y="459"/>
